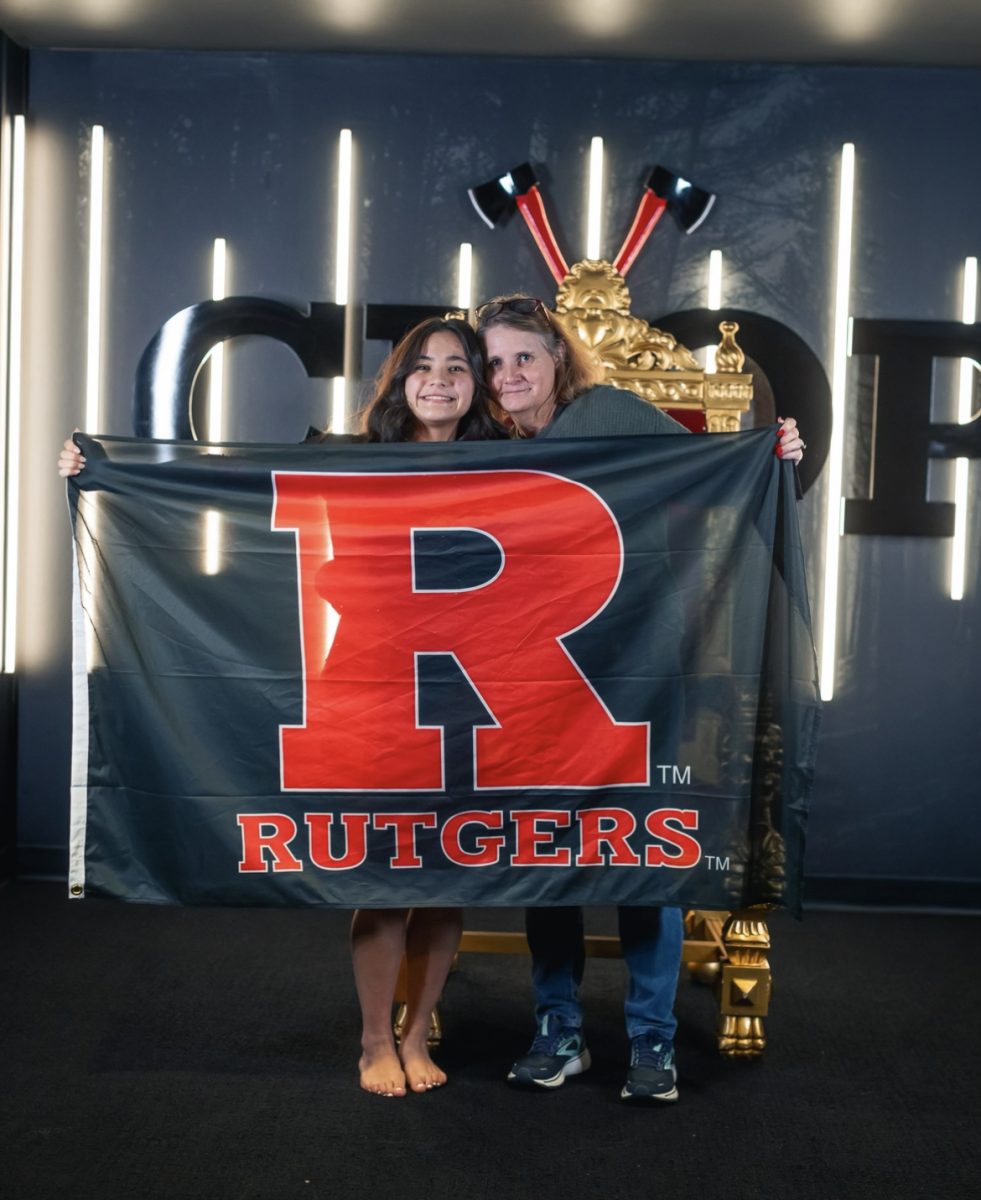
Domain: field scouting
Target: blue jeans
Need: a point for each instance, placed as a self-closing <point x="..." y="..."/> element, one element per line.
<point x="651" y="939"/>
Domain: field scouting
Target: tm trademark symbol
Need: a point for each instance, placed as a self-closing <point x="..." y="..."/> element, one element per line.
<point x="714" y="863"/>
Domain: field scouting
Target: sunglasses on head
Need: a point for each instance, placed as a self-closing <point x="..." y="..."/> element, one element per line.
<point x="525" y="305"/>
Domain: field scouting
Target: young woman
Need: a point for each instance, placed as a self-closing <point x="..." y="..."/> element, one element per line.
<point x="548" y="385"/>
<point x="431" y="388"/>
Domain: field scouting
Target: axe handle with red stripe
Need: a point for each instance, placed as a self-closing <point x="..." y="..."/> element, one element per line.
<point x="533" y="210"/>
<point x="648" y="214"/>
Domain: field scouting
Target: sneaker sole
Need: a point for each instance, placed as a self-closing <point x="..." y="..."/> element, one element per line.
<point x="649" y="1097"/>
<point x="575" y="1066"/>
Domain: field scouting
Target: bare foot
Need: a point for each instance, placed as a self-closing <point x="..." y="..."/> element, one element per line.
<point x="381" y="1073"/>
<point x="421" y="1073"/>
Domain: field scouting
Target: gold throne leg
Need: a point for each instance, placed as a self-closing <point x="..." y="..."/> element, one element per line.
<point x="744" y="985"/>
<point x="704" y="951"/>
<point x="435" y="1032"/>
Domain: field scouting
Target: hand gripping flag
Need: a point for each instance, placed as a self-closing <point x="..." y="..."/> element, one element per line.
<point x="555" y="672"/>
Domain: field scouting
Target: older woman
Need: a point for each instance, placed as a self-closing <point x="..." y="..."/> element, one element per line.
<point x="547" y="384"/>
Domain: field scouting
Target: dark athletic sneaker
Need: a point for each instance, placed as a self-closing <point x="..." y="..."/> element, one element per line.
<point x="651" y="1078"/>
<point x="554" y="1054"/>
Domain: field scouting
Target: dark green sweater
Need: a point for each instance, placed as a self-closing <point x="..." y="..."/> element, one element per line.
<point x="606" y="411"/>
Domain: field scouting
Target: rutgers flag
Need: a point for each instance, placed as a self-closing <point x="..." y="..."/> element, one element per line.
<point x="500" y="673"/>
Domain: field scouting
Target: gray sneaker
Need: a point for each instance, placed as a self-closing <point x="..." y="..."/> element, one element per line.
<point x="556" y="1053"/>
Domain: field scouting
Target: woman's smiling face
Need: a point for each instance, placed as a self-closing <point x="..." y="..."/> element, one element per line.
<point x="439" y="389"/>
<point x="521" y="375"/>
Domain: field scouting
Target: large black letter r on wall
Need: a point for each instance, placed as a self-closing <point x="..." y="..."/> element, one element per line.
<point x="905" y="440"/>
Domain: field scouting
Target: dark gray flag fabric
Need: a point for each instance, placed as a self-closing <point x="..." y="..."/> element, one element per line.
<point x="499" y="673"/>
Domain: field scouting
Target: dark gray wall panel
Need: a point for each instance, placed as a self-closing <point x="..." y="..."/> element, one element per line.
<point x="242" y="146"/>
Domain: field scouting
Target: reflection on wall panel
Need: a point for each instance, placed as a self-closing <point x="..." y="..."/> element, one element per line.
<point x="212" y="542"/>
<point x="832" y="545"/>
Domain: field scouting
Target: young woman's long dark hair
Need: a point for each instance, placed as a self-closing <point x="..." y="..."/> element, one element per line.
<point x="388" y="417"/>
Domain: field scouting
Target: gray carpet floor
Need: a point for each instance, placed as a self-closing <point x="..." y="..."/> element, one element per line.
<point x="210" y="1053"/>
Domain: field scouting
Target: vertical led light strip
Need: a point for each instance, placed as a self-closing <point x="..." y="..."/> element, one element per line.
<point x="464" y="277"/>
<point x="832" y="533"/>
<point x="715" y="280"/>
<point x="13" y="397"/>
<point x="6" y="138"/>
<point x="93" y="341"/>
<point x="216" y="407"/>
<point x="342" y="264"/>
<point x="212" y="542"/>
<point x="216" y="360"/>
<point x="594" y="211"/>
<point x="93" y="355"/>
<point x="714" y="300"/>
<point x="962" y="466"/>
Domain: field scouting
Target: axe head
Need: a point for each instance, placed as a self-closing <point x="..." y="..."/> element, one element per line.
<point x="688" y="204"/>
<point x="494" y="201"/>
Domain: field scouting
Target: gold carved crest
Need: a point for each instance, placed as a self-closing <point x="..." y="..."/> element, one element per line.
<point x="594" y="302"/>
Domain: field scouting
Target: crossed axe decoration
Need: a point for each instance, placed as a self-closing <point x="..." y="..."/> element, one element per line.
<point x="518" y="188"/>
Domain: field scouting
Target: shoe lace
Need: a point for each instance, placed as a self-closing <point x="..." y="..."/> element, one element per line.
<point x="646" y="1052"/>
<point x="546" y="1040"/>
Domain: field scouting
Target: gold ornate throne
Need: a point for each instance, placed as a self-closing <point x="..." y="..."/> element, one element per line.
<point x="725" y="949"/>
<point x="594" y="302"/>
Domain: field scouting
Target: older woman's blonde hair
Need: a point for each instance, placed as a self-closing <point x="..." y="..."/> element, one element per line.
<point x="576" y="368"/>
